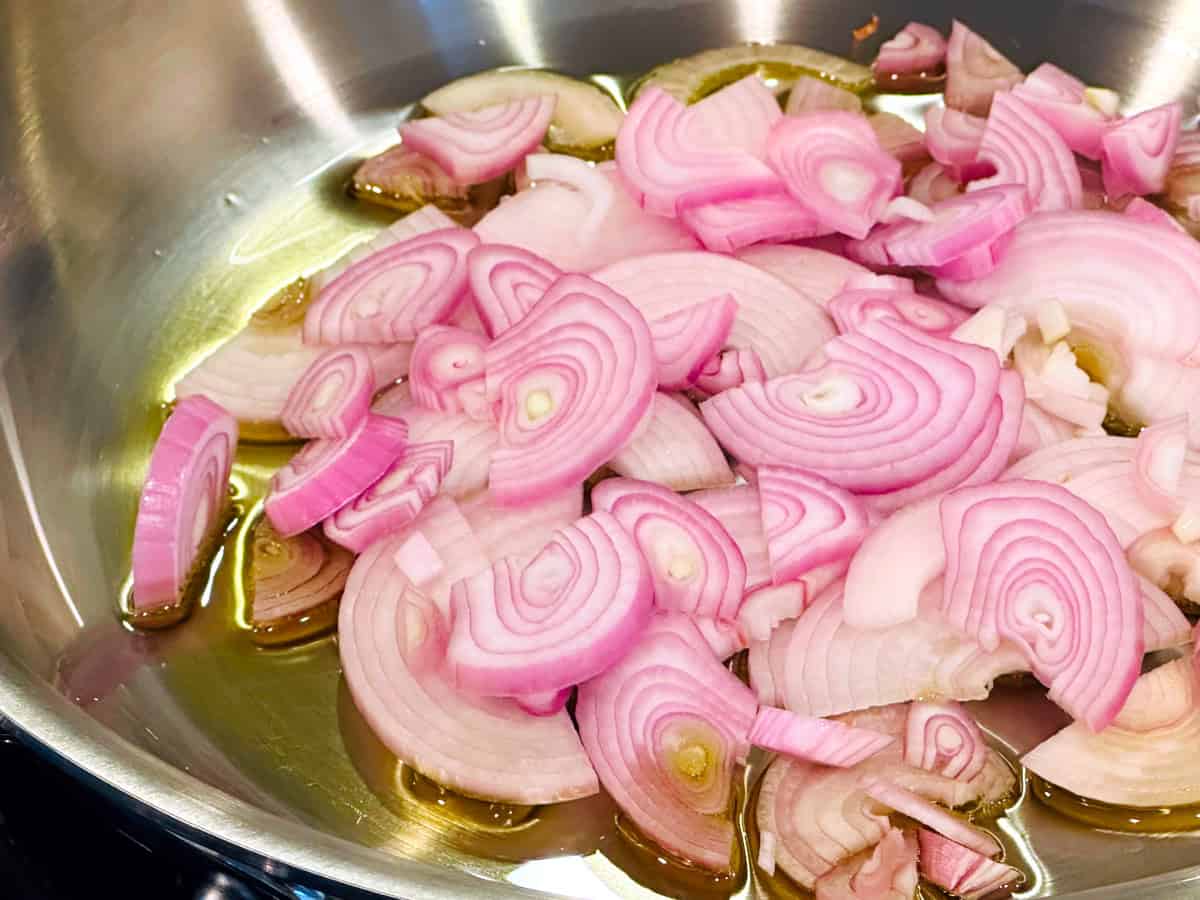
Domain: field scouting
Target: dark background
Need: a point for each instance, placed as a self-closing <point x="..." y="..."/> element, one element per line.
<point x="61" y="841"/>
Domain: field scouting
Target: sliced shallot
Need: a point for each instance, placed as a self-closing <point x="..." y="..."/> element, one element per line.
<point x="1145" y="758"/>
<point x="825" y="741"/>
<point x="916" y="807"/>
<point x="953" y="137"/>
<point x="665" y="729"/>
<point x="567" y="616"/>
<point x="396" y="499"/>
<point x="475" y="146"/>
<point x="1159" y="457"/>
<point x="832" y="163"/>
<point x="783" y="326"/>
<point x="889" y="873"/>
<point x="732" y="224"/>
<point x="183" y="502"/>
<point x="916" y="48"/>
<point x="975" y="70"/>
<point x="808" y="521"/>
<point x="392" y="294"/>
<point x="685" y="340"/>
<point x="1023" y="149"/>
<point x="294" y="583"/>
<point x="474" y="440"/>
<point x="388" y="633"/>
<point x="729" y="369"/>
<point x="328" y="473"/>
<point x="1137" y="151"/>
<point x="821" y="815"/>
<point x="670" y="170"/>
<point x="572" y="380"/>
<point x="332" y="396"/>
<point x="673" y="448"/>
<point x="739" y="511"/>
<point x="581" y="176"/>
<point x="943" y="738"/>
<point x="890" y="408"/>
<point x="811" y="94"/>
<point x="506" y="282"/>
<point x="1060" y="100"/>
<point x="962" y="871"/>
<point x="522" y="532"/>
<point x="1031" y="563"/>
<point x="696" y="566"/>
<point x="852" y="307"/>
<point x="446" y="371"/>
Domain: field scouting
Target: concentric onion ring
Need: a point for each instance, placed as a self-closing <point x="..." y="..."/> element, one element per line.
<point x="392" y="294"/>
<point x="567" y="616"/>
<point x="183" y="501"/>
<point x="446" y="371"/>
<point x="696" y="566"/>
<point x="506" y="282"/>
<point x="890" y="408"/>
<point x="665" y="729"/>
<point x="943" y="738"/>
<point x="388" y="633"/>
<point x="1031" y="563"/>
<point x="572" y="380"/>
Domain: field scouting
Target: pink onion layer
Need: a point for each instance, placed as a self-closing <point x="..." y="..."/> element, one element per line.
<point x="831" y="162"/>
<point x="1137" y="152"/>
<point x="932" y="184"/>
<point x="732" y="224"/>
<point x="474" y="440"/>
<point x="696" y="566"/>
<point x="808" y="521"/>
<point x="821" y="815"/>
<point x="916" y="807"/>
<point x="571" y="380"/>
<point x="762" y="610"/>
<point x="183" y="498"/>
<point x="891" y="407"/>
<point x="665" y="729"/>
<point x="395" y="500"/>
<point x="739" y="511"/>
<point x="392" y="294"/>
<point x="1023" y="149"/>
<point x="685" y="340"/>
<point x="824" y="741"/>
<point x="852" y="307"/>
<point x="889" y="873"/>
<point x="1060" y="100"/>
<point x="816" y="274"/>
<point x="330" y="472"/>
<point x="506" y="282"/>
<point x="567" y="616"/>
<point x="521" y="533"/>
<point x="1031" y="563"/>
<point x="672" y="447"/>
<point x="1159" y="458"/>
<point x="670" y="170"/>
<point x="388" y="632"/>
<point x="953" y="137"/>
<point x="740" y="114"/>
<point x="824" y="667"/>
<point x="781" y="325"/>
<point x="475" y="146"/>
<point x="961" y="224"/>
<point x="975" y="70"/>
<point x="915" y="48"/>
<point x="962" y="871"/>
<point x="446" y="371"/>
<point x="332" y="396"/>
<point x="729" y="369"/>
<point x="943" y="738"/>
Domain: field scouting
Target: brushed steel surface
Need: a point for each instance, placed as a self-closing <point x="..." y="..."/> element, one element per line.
<point x="162" y="165"/>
